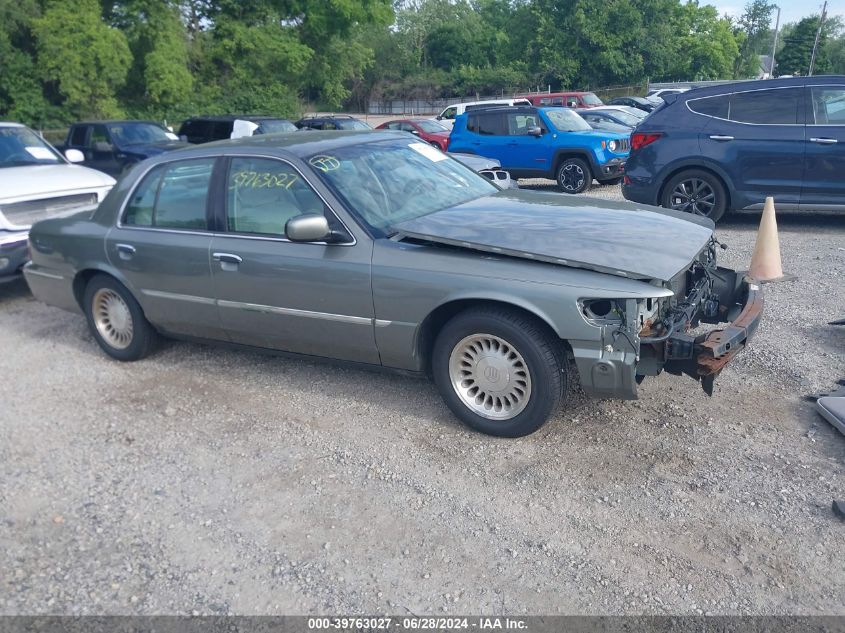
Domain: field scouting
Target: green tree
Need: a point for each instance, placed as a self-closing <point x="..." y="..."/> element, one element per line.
<point x="798" y="48"/>
<point x="85" y="58"/>
<point x="21" y="92"/>
<point x="756" y="36"/>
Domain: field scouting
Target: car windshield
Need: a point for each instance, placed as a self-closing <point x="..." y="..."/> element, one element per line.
<point x="566" y="120"/>
<point x="137" y="133"/>
<point x="388" y="182"/>
<point x="21" y="146"/>
<point x="625" y="117"/>
<point x="431" y="127"/>
<point x="351" y="124"/>
<point x="591" y="99"/>
<point x="274" y="126"/>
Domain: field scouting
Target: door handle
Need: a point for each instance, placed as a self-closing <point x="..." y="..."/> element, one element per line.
<point x="228" y="261"/>
<point x="227" y="258"/>
<point x="125" y="251"/>
<point x="720" y="137"/>
<point x="824" y="141"/>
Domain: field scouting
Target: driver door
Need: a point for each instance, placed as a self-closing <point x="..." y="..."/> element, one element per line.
<point x="307" y="298"/>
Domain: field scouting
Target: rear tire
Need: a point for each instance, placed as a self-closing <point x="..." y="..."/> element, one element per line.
<point x="116" y="320"/>
<point x="574" y="175"/>
<point x="696" y="191"/>
<point x="499" y="371"/>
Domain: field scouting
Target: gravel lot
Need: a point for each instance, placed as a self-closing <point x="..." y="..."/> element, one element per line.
<point x="211" y="481"/>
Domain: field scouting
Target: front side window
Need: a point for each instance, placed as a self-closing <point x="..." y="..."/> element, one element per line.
<point x="449" y="113"/>
<point x="263" y="194"/>
<point x="21" y="146"/>
<point x="172" y="196"/>
<point x="519" y="124"/>
<point x="770" y="107"/>
<point x="828" y="105"/>
<point x="387" y="182"/>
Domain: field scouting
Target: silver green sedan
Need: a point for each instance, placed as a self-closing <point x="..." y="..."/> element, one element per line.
<point x="375" y="248"/>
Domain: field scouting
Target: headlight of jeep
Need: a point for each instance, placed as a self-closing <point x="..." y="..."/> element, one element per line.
<point x="601" y="311"/>
<point x="612" y="145"/>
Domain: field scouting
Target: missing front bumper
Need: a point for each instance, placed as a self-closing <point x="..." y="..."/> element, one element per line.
<point x="703" y="357"/>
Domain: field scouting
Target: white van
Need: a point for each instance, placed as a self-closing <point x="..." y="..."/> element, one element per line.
<point x="447" y="117"/>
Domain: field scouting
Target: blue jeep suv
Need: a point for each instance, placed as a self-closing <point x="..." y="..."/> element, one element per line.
<point x="729" y="146"/>
<point x="534" y="142"/>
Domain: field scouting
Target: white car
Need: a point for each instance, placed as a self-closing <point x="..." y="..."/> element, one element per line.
<point x="37" y="182"/>
<point x="449" y="114"/>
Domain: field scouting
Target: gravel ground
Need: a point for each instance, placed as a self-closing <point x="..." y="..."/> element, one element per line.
<point x="211" y="481"/>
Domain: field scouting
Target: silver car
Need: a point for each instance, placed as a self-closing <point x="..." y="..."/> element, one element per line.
<point x="375" y="248"/>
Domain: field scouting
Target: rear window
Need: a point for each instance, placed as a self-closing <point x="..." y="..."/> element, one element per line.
<point x="711" y="106"/>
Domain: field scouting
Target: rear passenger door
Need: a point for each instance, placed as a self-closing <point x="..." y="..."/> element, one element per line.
<point x="308" y="298"/>
<point x="824" y="160"/>
<point x="757" y="137"/>
<point x="160" y="247"/>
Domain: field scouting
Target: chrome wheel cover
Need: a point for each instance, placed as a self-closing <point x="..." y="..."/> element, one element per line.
<point x="112" y="318"/>
<point x="490" y="376"/>
<point x="571" y="177"/>
<point x="693" y="196"/>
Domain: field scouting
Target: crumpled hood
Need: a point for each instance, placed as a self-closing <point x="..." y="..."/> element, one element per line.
<point x="619" y="238"/>
<point x="153" y="149"/>
<point x="29" y="182"/>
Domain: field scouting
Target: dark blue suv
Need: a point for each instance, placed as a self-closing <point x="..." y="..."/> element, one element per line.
<point x="729" y="146"/>
<point x="534" y="142"/>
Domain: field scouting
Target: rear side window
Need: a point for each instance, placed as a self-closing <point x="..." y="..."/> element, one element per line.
<point x="78" y="137"/>
<point x="263" y="194"/>
<point x="172" y="196"/>
<point x="711" y="106"/>
<point x="492" y="125"/>
<point x="766" y="106"/>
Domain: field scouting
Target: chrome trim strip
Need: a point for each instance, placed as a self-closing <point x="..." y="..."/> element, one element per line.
<point x="30" y="271"/>
<point x="257" y="307"/>
<point x="385" y="323"/>
<point x="160" y="294"/>
<point x="736" y="92"/>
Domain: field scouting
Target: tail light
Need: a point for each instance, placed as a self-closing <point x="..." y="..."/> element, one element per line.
<point x="641" y="139"/>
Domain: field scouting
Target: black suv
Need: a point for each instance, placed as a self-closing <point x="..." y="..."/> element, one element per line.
<point x="204" y="129"/>
<point x="331" y="122"/>
<point x="729" y="146"/>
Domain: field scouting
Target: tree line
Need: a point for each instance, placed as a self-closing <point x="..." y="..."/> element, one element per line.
<point x="64" y="60"/>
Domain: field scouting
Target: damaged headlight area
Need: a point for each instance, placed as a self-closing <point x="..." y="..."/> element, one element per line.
<point x="662" y="332"/>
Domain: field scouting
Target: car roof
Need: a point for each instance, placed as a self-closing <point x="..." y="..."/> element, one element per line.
<point x="114" y="121"/>
<point x="11" y="124"/>
<point x="235" y="117"/>
<point x="757" y="84"/>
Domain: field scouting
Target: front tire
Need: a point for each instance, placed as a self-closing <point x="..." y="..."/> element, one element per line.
<point x="500" y="372"/>
<point x="696" y="191"/>
<point x="116" y="320"/>
<point x="574" y="176"/>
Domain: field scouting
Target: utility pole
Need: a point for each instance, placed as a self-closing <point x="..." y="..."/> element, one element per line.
<point x="818" y="35"/>
<point x="774" y="47"/>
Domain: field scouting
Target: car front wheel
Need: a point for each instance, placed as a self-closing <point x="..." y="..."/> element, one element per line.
<point x="574" y="176"/>
<point x="696" y="191"/>
<point x="116" y="320"/>
<point x="500" y="372"/>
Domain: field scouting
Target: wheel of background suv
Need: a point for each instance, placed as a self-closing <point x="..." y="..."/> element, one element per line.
<point x="574" y="176"/>
<point x="696" y="191"/>
<point x="116" y="320"/>
<point x="500" y="372"/>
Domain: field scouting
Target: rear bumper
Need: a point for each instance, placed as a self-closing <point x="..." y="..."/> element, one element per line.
<point x="704" y="356"/>
<point x="635" y="192"/>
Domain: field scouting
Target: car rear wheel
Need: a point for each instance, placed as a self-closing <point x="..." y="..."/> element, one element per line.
<point x="574" y="176"/>
<point x="116" y="320"/>
<point x="500" y="372"/>
<point x="696" y="191"/>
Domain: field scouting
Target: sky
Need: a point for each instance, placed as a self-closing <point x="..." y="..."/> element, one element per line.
<point x="790" y="10"/>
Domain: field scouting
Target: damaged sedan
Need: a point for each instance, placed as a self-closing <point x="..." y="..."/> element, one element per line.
<point x="375" y="248"/>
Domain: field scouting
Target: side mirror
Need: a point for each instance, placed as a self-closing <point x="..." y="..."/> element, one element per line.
<point x="439" y="117"/>
<point x="535" y="131"/>
<point x="74" y="155"/>
<point x="102" y="146"/>
<point x="310" y="227"/>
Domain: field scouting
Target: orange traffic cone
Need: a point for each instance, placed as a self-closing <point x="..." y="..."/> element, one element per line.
<point x="765" y="262"/>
